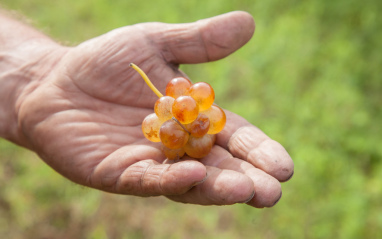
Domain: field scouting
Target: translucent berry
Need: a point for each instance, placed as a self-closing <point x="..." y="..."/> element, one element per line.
<point x="172" y="135"/>
<point x="177" y="87"/>
<point x="163" y="108"/>
<point x="203" y="94"/>
<point x="185" y="109"/>
<point x="173" y="154"/>
<point x="150" y="127"/>
<point x="217" y="119"/>
<point x="199" y="127"/>
<point x="199" y="147"/>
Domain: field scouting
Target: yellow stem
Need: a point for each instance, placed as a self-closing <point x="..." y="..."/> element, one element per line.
<point x="147" y="80"/>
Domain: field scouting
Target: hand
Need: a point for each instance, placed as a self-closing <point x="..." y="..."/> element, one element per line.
<point x="83" y="118"/>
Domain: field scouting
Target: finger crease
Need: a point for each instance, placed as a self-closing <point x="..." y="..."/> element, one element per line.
<point x="241" y="144"/>
<point x="166" y="169"/>
<point x="223" y="160"/>
<point x="204" y="44"/>
<point x="142" y="178"/>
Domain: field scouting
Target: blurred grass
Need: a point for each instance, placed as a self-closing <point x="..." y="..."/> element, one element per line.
<point x="310" y="78"/>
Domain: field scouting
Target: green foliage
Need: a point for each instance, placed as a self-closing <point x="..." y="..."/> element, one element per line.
<point x="310" y="78"/>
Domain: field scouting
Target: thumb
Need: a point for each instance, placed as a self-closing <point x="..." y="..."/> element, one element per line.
<point x="205" y="40"/>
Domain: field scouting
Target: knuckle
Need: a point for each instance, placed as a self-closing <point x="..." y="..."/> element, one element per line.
<point x="132" y="180"/>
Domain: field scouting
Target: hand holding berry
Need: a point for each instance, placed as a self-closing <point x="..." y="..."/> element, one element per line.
<point x="82" y="109"/>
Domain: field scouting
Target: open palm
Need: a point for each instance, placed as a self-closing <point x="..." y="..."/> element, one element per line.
<point x="84" y="118"/>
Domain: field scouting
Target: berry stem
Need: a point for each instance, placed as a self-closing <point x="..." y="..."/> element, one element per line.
<point x="147" y="80"/>
<point x="177" y="121"/>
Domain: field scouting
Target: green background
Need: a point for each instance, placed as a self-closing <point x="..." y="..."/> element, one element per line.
<point x="310" y="78"/>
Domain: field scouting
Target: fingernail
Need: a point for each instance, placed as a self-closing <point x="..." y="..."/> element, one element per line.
<point x="278" y="199"/>
<point x="290" y="176"/>
<point x="250" y="198"/>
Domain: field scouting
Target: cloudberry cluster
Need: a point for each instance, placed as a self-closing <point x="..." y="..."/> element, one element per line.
<point x="185" y="120"/>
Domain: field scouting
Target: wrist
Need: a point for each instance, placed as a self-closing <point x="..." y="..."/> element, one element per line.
<point x="24" y="64"/>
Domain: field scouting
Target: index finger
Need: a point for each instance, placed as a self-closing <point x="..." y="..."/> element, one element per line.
<point x="247" y="142"/>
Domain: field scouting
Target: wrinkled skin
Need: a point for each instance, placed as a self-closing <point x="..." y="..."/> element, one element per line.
<point x="83" y="117"/>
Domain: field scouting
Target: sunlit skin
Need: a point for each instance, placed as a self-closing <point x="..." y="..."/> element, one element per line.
<point x="81" y="108"/>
